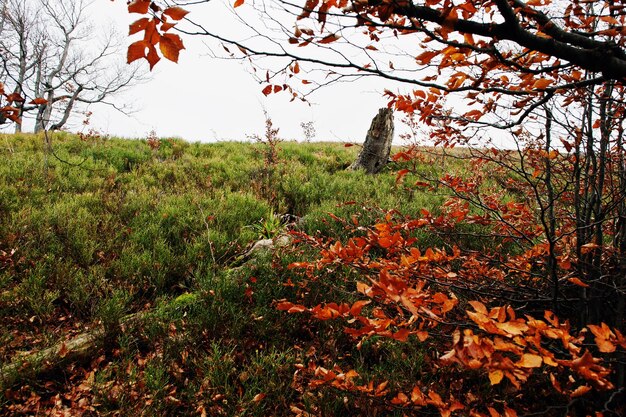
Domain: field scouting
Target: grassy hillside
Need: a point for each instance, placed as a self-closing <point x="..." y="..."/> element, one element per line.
<point x="104" y="229"/>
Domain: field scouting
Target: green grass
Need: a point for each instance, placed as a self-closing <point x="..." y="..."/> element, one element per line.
<point x="158" y="231"/>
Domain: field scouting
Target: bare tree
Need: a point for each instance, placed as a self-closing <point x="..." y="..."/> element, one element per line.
<point x="50" y="49"/>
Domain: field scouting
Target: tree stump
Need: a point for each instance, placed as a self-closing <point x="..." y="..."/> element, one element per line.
<point x="377" y="146"/>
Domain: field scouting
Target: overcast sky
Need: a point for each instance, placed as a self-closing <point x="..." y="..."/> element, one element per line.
<point x="206" y="99"/>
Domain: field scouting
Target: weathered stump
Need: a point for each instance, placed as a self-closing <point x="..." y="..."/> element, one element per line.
<point x="377" y="146"/>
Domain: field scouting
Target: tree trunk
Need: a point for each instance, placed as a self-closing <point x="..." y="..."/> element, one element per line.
<point x="377" y="146"/>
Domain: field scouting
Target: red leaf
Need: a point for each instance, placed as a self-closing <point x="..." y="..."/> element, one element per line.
<point x="175" y="12"/>
<point x="14" y="97"/>
<point x="577" y="281"/>
<point x="170" y="45"/>
<point x="257" y="398"/>
<point x="329" y="39"/>
<point x="38" y="101"/>
<point x="167" y="26"/>
<point x="347" y="145"/>
<point x="238" y="3"/>
<point x="152" y="56"/>
<point x="401" y="335"/>
<point x="356" y="308"/>
<point x="401" y="175"/>
<point x="139" y="6"/>
<point x="267" y="90"/>
<point x="136" y="51"/>
<point x="138" y="25"/>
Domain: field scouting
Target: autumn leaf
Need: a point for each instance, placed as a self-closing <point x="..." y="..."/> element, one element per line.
<point x="513" y="327"/>
<point x="496" y="376"/>
<point x="530" y="360"/>
<point x="479" y="307"/>
<point x="541" y="84"/>
<point x="38" y="101"/>
<point x="170" y="45"/>
<point x="356" y="308"/>
<point x="329" y="39"/>
<point x="165" y="26"/>
<point x="580" y="391"/>
<point x="603" y="336"/>
<point x="267" y="90"/>
<point x="152" y="57"/>
<point x="257" y="398"/>
<point x="238" y="3"/>
<point x="175" y="12"/>
<point x="578" y="282"/>
<point x="138" y="25"/>
<point x="139" y="6"/>
<point x="15" y="97"/>
<point x="400" y="175"/>
<point x="401" y="335"/>
<point x="136" y="50"/>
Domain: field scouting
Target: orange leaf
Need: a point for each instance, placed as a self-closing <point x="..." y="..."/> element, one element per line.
<point x="171" y="45"/>
<point x="417" y="397"/>
<point x="580" y="391"/>
<point x="152" y="56"/>
<point x="513" y="327"/>
<point x="257" y="398"/>
<point x="238" y="3"/>
<point x="356" y="308"/>
<point x="138" y="25"/>
<point x="329" y="39"/>
<point x="175" y="12"/>
<point x="401" y="175"/>
<point x="425" y="57"/>
<point x="167" y="26"/>
<point x="401" y="335"/>
<point x="496" y="376"/>
<point x="530" y="361"/>
<point x="588" y="247"/>
<point x="14" y="97"/>
<point x="385" y="242"/>
<point x="400" y="399"/>
<point x="139" y="6"/>
<point x="577" y="281"/>
<point x="541" y="84"/>
<point x="479" y="307"/>
<point x="38" y="101"/>
<point x="136" y="51"/>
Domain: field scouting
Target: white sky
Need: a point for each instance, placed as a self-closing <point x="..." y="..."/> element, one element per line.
<point x="206" y="99"/>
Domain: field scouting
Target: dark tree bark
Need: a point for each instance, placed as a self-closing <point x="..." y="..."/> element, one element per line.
<point x="377" y="146"/>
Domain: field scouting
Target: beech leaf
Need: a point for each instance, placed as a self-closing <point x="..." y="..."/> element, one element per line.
<point x="152" y="57"/>
<point x="138" y="25"/>
<point x="38" y="101"/>
<point x="170" y="45"/>
<point x="136" y="51"/>
<point x="530" y="360"/>
<point x="496" y="376"/>
<point x="139" y="6"/>
<point x="175" y="12"/>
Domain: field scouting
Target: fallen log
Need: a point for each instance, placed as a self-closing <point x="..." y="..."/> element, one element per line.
<point x="81" y="347"/>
